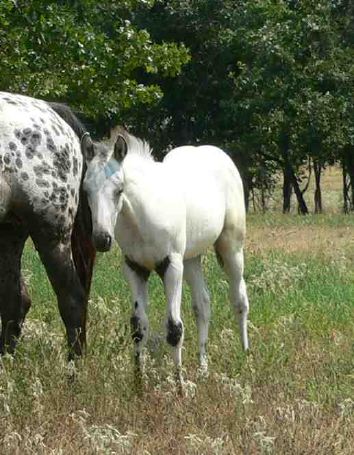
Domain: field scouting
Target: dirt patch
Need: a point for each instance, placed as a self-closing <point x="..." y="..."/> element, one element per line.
<point x="322" y="240"/>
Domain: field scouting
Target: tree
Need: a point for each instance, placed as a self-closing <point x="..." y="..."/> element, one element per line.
<point x="85" y="52"/>
<point x="269" y="81"/>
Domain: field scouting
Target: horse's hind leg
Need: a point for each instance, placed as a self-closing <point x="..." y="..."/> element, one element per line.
<point x="193" y="274"/>
<point x="231" y="259"/>
<point x="57" y="259"/>
<point x="14" y="301"/>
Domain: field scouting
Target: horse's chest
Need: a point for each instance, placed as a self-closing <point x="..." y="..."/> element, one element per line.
<point x="146" y="248"/>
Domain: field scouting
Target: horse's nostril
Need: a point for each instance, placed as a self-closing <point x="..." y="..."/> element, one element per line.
<point x="108" y="241"/>
<point x="102" y="241"/>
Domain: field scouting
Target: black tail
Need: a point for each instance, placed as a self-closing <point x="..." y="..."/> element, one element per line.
<point x="81" y="238"/>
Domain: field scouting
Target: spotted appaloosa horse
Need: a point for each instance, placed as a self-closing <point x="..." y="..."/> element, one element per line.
<point x="41" y="168"/>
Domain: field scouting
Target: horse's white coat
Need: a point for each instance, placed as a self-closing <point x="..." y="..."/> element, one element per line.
<point x="176" y="209"/>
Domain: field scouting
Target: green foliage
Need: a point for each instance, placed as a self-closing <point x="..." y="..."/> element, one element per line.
<point x="269" y="81"/>
<point x="85" y="52"/>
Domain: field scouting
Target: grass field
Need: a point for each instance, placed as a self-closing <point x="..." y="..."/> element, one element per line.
<point x="293" y="394"/>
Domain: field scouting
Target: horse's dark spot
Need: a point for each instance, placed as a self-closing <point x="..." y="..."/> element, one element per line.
<point x="174" y="332"/>
<point x="36" y="126"/>
<point x="24" y="176"/>
<point x="46" y="132"/>
<point x="50" y="145"/>
<point x="41" y="119"/>
<point x="54" y="174"/>
<point x="54" y="185"/>
<point x="162" y="266"/>
<point x="27" y="131"/>
<point x="59" y="197"/>
<point x="44" y="201"/>
<point x="76" y="199"/>
<point x="46" y="193"/>
<point x="72" y="192"/>
<point x="136" y="305"/>
<point x="36" y="138"/>
<point x="17" y="133"/>
<point x="40" y="156"/>
<point x="18" y="163"/>
<point x="24" y="140"/>
<point x="55" y="130"/>
<point x="137" y="334"/>
<point x="141" y="271"/>
<point x="62" y="162"/>
<point x="12" y="146"/>
<point x="42" y="183"/>
<point x="41" y="169"/>
<point x="7" y="158"/>
<point x="30" y="151"/>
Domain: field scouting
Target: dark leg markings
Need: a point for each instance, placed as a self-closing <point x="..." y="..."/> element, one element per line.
<point x="174" y="332"/>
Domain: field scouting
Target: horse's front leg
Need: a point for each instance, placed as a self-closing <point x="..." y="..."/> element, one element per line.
<point x="172" y="278"/>
<point x="137" y="278"/>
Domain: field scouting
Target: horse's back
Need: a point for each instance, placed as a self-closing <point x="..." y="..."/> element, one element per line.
<point x="213" y="194"/>
<point x="40" y="160"/>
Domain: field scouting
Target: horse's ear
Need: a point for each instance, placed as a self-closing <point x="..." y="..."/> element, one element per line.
<point x="120" y="148"/>
<point x="87" y="147"/>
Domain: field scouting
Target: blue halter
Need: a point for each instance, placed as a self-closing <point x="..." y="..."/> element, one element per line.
<point x="111" y="168"/>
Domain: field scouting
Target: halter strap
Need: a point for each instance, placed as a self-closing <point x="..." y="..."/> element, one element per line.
<point x="82" y="137"/>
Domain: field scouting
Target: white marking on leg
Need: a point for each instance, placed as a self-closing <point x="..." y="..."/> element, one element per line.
<point x="193" y="274"/>
<point x="233" y="264"/>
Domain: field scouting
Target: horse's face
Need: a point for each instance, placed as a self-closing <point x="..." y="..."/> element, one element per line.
<point x="104" y="184"/>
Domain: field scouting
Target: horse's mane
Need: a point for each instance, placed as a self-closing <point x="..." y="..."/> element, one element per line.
<point x="81" y="242"/>
<point x="139" y="147"/>
<point x="70" y="118"/>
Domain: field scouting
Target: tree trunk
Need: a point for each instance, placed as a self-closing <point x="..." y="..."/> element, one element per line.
<point x="318" y="194"/>
<point x="346" y="185"/>
<point x="348" y="168"/>
<point x="287" y="189"/>
<point x="299" y="195"/>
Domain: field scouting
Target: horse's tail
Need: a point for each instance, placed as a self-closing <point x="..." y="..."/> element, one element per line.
<point x="83" y="251"/>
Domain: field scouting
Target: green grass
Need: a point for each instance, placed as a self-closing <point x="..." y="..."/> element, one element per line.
<point x="294" y="393"/>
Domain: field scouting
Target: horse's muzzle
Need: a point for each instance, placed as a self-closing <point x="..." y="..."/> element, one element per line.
<point x="103" y="242"/>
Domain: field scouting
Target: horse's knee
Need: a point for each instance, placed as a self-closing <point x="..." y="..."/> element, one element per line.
<point x="174" y="332"/>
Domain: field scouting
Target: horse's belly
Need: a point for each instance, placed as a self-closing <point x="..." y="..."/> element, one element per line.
<point x="205" y="221"/>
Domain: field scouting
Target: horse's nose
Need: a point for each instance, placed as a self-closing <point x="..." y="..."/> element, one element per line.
<point x="102" y="241"/>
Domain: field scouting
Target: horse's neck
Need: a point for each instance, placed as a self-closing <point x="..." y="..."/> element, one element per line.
<point x="139" y="182"/>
